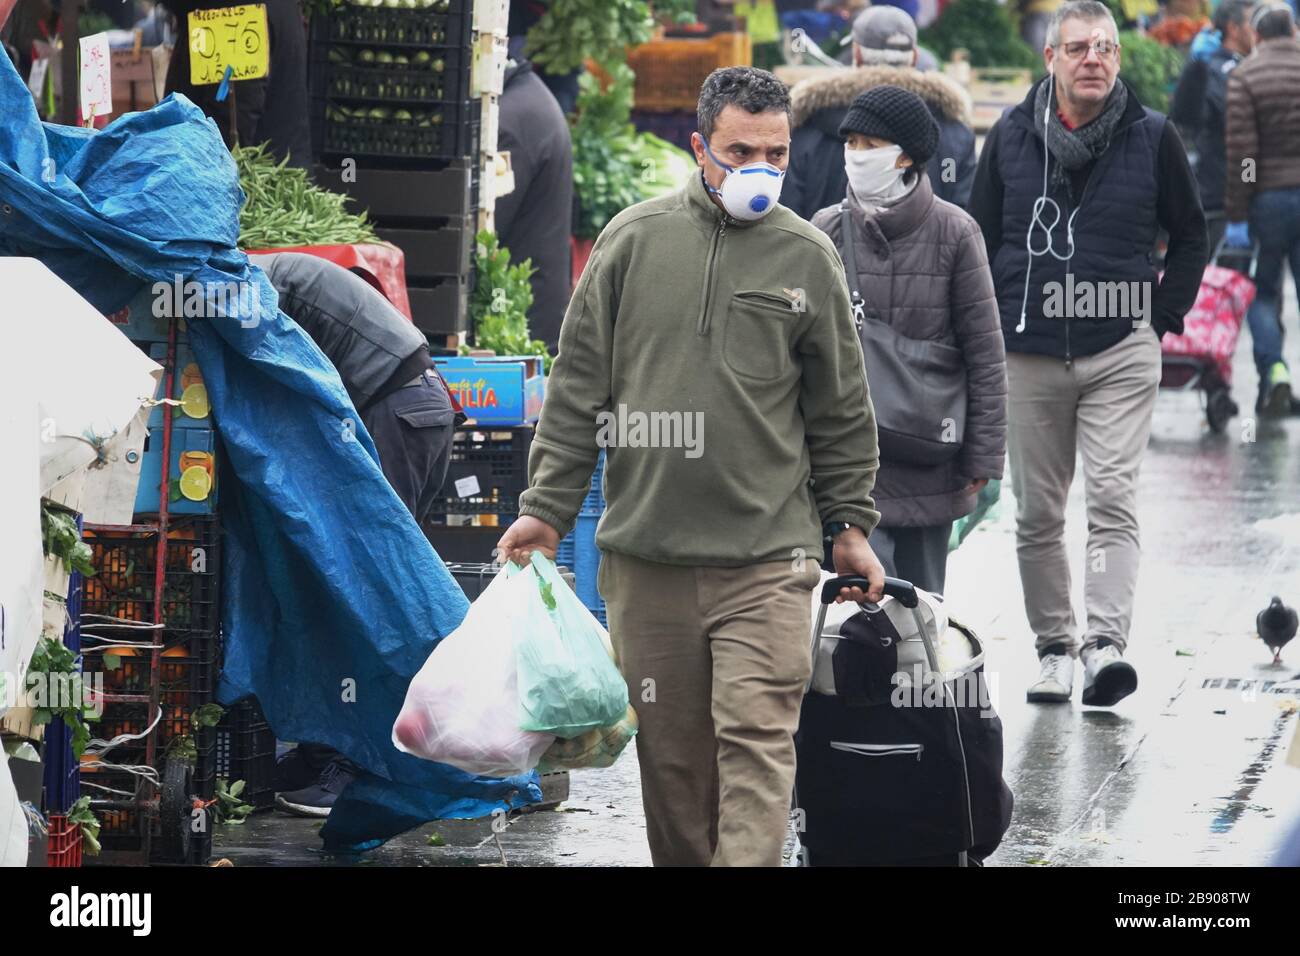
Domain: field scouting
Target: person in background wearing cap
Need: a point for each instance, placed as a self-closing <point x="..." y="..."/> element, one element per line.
<point x="921" y="270"/>
<point x="884" y="53"/>
<point x="1073" y="187"/>
<point x="716" y="305"/>
<point x="1264" y="140"/>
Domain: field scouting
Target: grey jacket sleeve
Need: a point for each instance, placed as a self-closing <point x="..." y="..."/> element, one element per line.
<point x="839" y="421"/>
<point x="976" y="324"/>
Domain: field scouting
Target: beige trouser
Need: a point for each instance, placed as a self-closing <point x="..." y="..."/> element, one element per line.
<point x="1100" y="406"/>
<point x="716" y="660"/>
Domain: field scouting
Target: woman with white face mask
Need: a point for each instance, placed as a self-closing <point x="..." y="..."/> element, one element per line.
<point x="928" y="321"/>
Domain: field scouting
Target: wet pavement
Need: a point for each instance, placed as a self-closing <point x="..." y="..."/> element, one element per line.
<point x="1190" y="770"/>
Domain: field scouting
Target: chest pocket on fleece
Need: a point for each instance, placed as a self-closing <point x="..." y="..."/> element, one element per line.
<point x="756" y="343"/>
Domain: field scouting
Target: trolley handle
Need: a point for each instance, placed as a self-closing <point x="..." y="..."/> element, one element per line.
<point x="900" y="590"/>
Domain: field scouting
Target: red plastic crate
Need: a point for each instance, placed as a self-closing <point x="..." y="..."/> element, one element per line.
<point x="65" y="842"/>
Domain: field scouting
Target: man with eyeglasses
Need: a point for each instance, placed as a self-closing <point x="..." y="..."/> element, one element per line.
<point x="1072" y="188"/>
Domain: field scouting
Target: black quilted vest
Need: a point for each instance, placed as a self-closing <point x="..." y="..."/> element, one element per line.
<point x="1114" y="233"/>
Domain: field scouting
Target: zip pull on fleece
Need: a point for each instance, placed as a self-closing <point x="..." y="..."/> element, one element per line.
<point x="710" y="276"/>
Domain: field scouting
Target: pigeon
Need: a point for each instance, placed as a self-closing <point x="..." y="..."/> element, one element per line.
<point x="1276" y="625"/>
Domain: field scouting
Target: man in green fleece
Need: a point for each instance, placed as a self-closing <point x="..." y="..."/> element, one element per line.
<point x="712" y="306"/>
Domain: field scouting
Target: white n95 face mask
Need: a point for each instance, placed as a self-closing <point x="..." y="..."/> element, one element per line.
<point x="748" y="192"/>
<point x="872" y="172"/>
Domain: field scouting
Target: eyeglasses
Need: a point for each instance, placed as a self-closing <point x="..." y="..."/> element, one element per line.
<point x="1078" y="49"/>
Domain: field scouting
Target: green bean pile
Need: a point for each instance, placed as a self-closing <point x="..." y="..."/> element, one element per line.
<point x="285" y="209"/>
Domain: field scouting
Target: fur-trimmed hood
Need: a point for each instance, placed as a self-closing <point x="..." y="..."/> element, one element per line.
<point x="839" y="88"/>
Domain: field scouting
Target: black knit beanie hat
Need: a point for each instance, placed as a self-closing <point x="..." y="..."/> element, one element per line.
<point x="895" y="114"/>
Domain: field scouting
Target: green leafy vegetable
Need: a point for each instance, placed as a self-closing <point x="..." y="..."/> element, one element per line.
<point x="572" y="31"/>
<point x="230" y="807"/>
<point x="1150" y="67"/>
<point x="502" y="298"/>
<point x="284" y="209"/>
<point x="606" y="173"/>
<point x="61" y="539"/>
<point x="984" y="30"/>
<point x="64" y="691"/>
<point x="82" y="815"/>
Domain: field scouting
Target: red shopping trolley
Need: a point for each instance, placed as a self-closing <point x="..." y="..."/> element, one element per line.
<point x="1201" y="358"/>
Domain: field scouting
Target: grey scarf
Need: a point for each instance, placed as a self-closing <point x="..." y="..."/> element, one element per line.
<point x="1073" y="149"/>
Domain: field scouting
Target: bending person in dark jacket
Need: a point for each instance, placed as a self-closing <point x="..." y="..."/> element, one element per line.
<point x="885" y="53"/>
<point x="1082" y="312"/>
<point x="921" y="270"/>
<point x="384" y="363"/>
<point x="385" y="366"/>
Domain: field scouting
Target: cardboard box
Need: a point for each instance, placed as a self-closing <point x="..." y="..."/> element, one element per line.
<point x="56" y="577"/>
<point x="489" y="123"/>
<point x="497" y="390"/>
<point x="134" y="83"/>
<point x="18" y="721"/>
<point x="489" y="74"/>
<point x="492" y="16"/>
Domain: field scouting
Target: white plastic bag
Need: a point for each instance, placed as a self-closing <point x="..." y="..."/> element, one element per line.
<point x="462" y="708"/>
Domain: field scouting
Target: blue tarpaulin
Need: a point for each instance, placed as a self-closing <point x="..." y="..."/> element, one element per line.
<point x="333" y="599"/>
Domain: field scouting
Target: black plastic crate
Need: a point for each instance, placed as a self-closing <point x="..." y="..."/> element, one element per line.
<point x="465" y="543"/>
<point x="497" y="459"/>
<point x="392" y="87"/>
<point x="348" y="82"/>
<point x="440" y="190"/>
<point x="420" y="75"/>
<point x="440" y="308"/>
<point x="245" y="750"/>
<point x="123" y="585"/>
<point x="123" y="589"/>
<point x="440" y="23"/>
<point x="434" y="251"/>
<point x="435" y="131"/>
<point x="123" y="831"/>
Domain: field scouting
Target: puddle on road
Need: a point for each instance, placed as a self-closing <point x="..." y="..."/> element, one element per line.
<point x="1239" y="802"/>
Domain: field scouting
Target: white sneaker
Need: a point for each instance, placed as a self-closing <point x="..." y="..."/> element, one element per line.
<point x="1107" y="677"/>
<point x="1055" y="680"/>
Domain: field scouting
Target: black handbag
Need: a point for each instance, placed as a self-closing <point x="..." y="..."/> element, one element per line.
<point x="918" y="387"/>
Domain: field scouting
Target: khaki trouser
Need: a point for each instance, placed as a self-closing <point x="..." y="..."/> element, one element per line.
<point x="716" y="660"/>
<point x="1100" y="407"/>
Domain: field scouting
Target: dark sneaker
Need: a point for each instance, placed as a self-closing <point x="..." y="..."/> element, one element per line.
<point x="1107" y="677"/>
<point x="295" y="770"/>
<point x="317" y="799"/>
<point x="1275" y="392"/>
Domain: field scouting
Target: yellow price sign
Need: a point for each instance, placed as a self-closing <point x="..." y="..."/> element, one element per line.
<point x="234" y="37"/>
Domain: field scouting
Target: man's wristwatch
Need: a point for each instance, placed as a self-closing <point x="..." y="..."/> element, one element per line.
<point x="831" y="528"/>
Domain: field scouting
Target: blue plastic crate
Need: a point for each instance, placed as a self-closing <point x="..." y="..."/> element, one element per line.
<point x="564" y="553"/>
<point x="62" y="769"/>
<point x="586" y="559"/>
<point x="193" y="445"/>
<point x="594" y="503"/>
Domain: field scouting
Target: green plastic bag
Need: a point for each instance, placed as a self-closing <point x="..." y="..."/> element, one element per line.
<point x="568" y="683"/>
<point x="986" y="506"/>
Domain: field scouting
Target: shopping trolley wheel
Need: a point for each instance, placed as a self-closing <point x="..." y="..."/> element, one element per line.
<point x="175" y="812"/>
<point x="1219" y="407"/>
